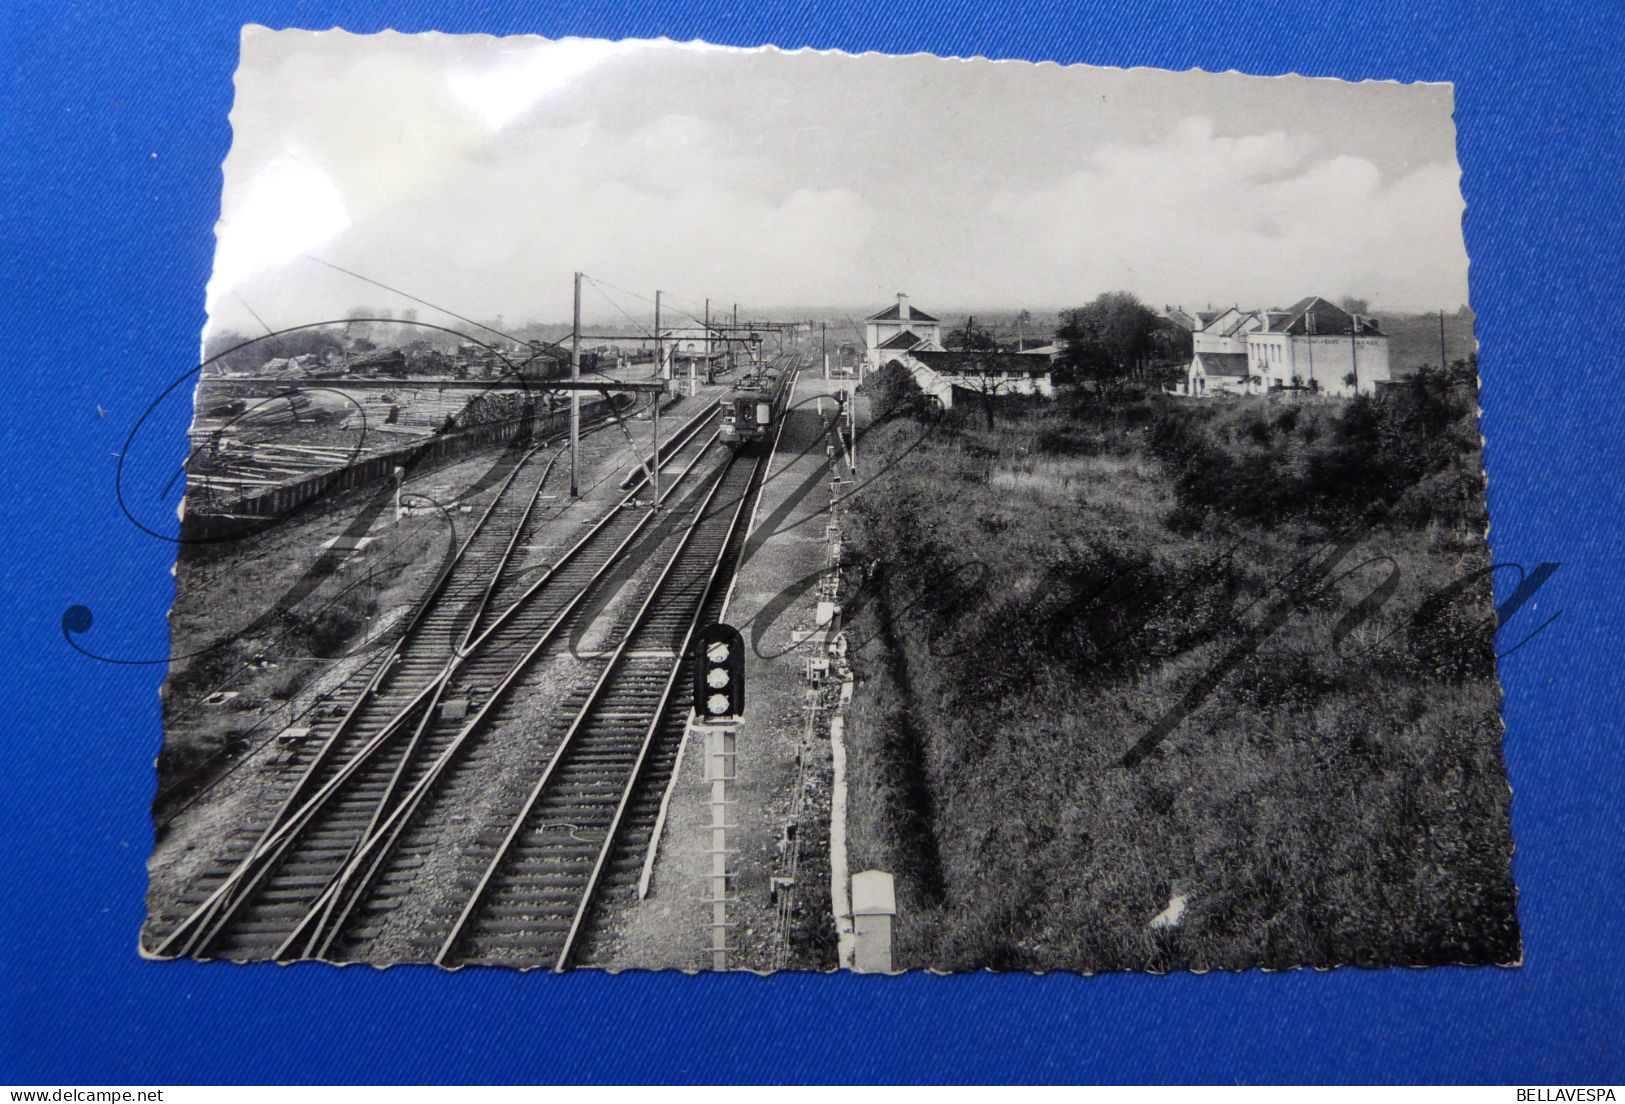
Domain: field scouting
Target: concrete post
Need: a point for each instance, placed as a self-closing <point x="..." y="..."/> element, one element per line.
<point x="874" y="906"/>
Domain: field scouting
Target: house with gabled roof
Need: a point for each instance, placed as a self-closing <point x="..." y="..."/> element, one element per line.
<point x="1220" y="374"/>
<point x="1219" y="352"/>
<point x="1317" y="345"/>
<point x="898" y="329"/>
<point x="945" y="372"/>
<point x="1313" y="345"/>
<point x="1181" y="317"/>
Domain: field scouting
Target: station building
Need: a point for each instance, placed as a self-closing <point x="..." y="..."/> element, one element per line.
<point x="897" y="330"/>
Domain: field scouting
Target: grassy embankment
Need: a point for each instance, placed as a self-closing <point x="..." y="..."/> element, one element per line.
<point x="266" y="621"/>
<point x="1039" y="595"/>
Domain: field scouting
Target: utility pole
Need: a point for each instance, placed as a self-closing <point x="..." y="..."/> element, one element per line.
<point x="660" y="374"/>
<point x="1354" y="351"/>
<point x="1309" y="325"/>
<point x="823" y="346"/>
<point x="707" y="340"/>
<point x="575" y="395"/>
<point x="654" y="467"/>
<point x="1441" y="339"/>
<point x="732" y="332"/>
<point x="852" y="432"/>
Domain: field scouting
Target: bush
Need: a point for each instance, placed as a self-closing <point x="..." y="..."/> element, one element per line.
<point x="1319" y="806"/>
<point x="287" y="683"/>
<point x="327" y="632"/>
<point x="895" y="394"/>
<point x="1409" y="456"/>
<point x="1068" y="440"/>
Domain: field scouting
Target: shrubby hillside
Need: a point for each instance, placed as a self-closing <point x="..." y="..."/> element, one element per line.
<point x="1225" y="662"/>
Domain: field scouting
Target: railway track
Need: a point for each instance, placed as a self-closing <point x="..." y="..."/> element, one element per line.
<point x="239" y="907"/>
<point x="531" y="899"/>
<point x="575" y="802"/>
<point x="479" y="558"/>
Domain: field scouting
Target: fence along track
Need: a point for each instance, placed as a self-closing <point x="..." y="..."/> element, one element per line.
<point x="381" y="713"/>
<point x="532" y="902"/>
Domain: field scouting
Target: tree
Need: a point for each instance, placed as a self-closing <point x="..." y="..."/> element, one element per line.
<point x="1112" y="340"/>
<point x="1355" y="306"/>
<point x="976" y="366"/>
<point x="1171" y="343"/>
<point x="970" y="336"/>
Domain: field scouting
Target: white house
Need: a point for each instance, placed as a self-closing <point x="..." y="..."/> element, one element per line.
<point x="1220" y="374"/>
<point x="1321" y="346"/>
<point x="899" y="328"/>
<point x="1313" y="345"/>
<point x="947" y="373"/>
<point x="691" y="347"/>
<point x="1219" y="352"/>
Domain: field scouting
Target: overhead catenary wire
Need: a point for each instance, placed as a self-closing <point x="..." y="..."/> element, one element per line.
<point x="667" y="298"/>
<point x="616" y="418"/>
<point x="419" y="300"/>
<point x="599" y="287"/>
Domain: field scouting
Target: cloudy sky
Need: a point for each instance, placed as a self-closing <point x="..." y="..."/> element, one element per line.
<point x="478" y="173"/>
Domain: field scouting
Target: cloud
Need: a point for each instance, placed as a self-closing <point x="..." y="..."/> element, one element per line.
<point x="676" y="203"/>
<point x="290" y="206"/>
<point x="1194" y="217"/>
<point x="480" y="173"/>
<point x="498" y="92"/>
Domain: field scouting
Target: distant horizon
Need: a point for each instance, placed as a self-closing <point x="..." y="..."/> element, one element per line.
<point x="591" y="326"/>
<point x="479" y="173"/>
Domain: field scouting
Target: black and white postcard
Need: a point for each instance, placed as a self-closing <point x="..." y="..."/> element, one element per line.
<point x="660" y="506"/>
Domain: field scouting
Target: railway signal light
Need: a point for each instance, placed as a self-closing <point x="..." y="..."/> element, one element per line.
<point x="719" y="673"/>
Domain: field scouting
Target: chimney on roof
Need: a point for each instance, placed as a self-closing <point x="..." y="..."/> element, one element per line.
<point x="902" y="307"/>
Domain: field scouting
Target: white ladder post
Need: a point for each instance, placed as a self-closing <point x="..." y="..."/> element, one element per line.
<point x="720" y="741"/>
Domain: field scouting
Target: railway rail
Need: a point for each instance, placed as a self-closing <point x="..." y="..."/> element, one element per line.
<point x="586" y="823"/>
<point x="324" y="876"/>
<point x="244" y="897"/>
<point x="476" y="556"/>
<point x="530" y="902"/>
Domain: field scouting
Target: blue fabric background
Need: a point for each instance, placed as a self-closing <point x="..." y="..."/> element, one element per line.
<point x="108" y="249"/>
